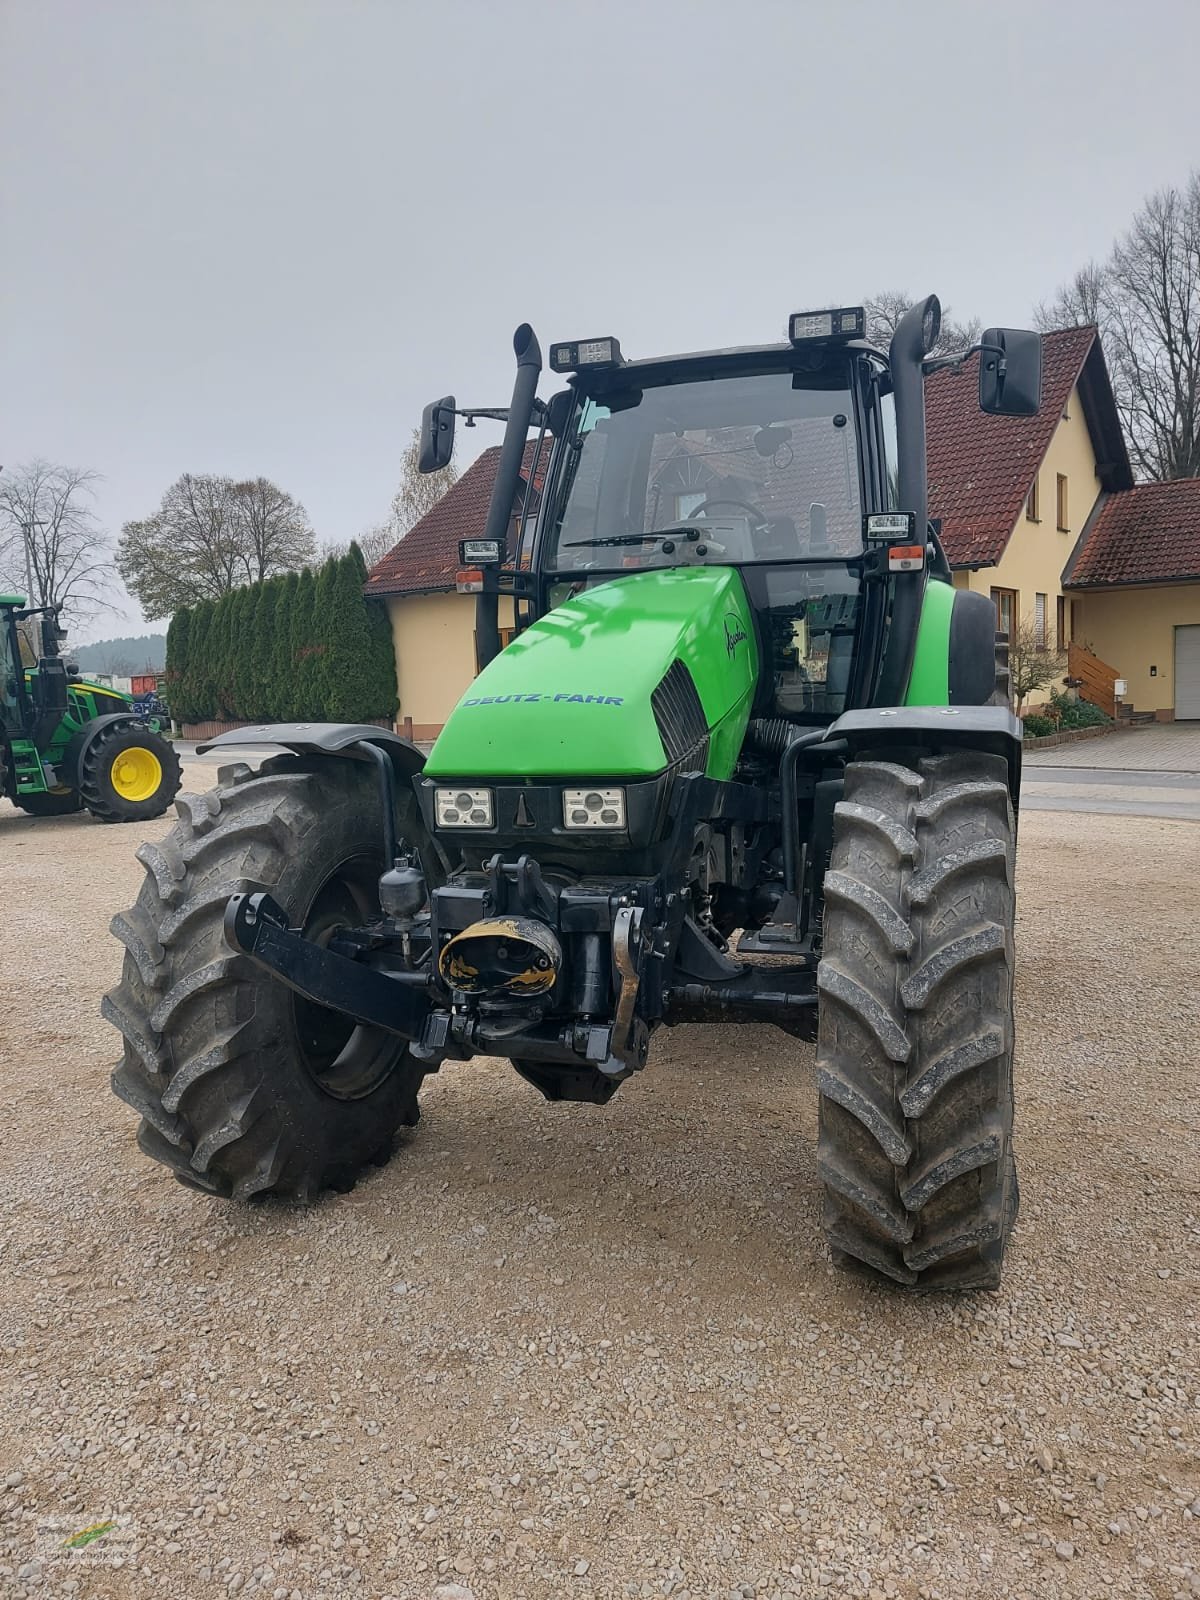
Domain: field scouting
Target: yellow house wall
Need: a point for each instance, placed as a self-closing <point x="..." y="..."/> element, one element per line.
<point x="1037" y="551"/>
<point x="433" y="636"/>
<point x="1134" y="629"/>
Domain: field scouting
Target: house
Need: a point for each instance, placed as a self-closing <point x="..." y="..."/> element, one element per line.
<point x="1040" y="513"/>
<point x="1013" y="493"/>
<point x="1134" y="582"/>
<point x="433" y="626"/>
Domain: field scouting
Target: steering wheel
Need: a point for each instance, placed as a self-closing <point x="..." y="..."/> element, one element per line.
<point x="740" y="505"/>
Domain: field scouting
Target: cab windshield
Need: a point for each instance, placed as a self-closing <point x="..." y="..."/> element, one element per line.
<point x="759" y="468"/>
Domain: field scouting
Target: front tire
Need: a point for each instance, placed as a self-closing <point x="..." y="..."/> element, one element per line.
<point x="914" y="1051"/>
<point x="128" y="773"/>
<point x="243" y="1087"/>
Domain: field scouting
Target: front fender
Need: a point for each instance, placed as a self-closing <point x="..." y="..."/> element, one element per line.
<point x="990" y="728"/>
<point x="322" y="738"/>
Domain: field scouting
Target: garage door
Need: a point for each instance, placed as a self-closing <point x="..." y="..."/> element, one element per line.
<point x="1187" y="672"/>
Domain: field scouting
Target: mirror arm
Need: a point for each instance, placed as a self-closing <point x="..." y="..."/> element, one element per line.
<point x="496" y="413"/>
<point x="953" y="363"/>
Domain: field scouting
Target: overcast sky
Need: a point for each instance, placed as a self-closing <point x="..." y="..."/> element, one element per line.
<point x="255" y="236"/>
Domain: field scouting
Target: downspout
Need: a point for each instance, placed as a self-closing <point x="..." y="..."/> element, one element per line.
<point x="504" y="489"/>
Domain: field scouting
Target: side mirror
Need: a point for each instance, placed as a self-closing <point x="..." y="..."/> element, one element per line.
<point x="558" y="412"/>
<point x="437" y="435"/>
<point x="1010" y="372"/>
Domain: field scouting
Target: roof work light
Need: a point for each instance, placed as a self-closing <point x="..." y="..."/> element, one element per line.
<point x="585" y="353"/>
<point x="848" y="323"/>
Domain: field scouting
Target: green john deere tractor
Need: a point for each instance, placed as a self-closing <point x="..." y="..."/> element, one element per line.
<point x="748" y="758"/>
<point x="67" y="745"/>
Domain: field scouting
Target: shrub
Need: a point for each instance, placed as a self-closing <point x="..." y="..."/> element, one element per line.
<point x="1037" y="727"/>
<point x="1078" y="713"/>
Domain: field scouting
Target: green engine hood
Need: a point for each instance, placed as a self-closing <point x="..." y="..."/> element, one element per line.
<point x="571" y="694"/>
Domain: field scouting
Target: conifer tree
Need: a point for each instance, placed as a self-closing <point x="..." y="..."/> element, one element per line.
<point x="175" y="674"/>
<point x="279" y="701"/>
<point x="261" y="654"/>
<point x="303" y="699"/>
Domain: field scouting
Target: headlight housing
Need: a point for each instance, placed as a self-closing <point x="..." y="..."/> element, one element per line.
<point x="464" y="808"/>
<point x="593" y="808"/>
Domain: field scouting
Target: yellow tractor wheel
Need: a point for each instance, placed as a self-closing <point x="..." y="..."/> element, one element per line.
<point x="128" y="773"/>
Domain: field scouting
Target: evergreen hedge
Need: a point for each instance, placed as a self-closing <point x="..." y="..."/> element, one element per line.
<point x="308" y="646"/>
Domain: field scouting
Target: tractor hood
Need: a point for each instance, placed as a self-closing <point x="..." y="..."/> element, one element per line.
<point x="575" y="693"/>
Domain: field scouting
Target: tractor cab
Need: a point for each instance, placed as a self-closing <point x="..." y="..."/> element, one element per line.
<point x="12" y="674"/>
<point x="765" y="463"/>
<point x="799" y="465"/>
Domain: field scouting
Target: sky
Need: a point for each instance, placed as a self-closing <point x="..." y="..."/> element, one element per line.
<point x="256" y="236"/>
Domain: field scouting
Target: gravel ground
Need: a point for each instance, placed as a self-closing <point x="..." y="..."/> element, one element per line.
<point x="598" y="1352"/>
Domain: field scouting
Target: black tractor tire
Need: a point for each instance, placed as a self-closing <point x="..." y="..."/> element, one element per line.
<point x="243" y="1087"/>
<point x="915" y="1037"/>
<point x="1002" y="694"/>
<point x="100" y="773"/>
<point x="60" y="804"/>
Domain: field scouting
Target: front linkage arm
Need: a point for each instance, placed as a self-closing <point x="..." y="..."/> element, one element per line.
<point x="257" y="927"/>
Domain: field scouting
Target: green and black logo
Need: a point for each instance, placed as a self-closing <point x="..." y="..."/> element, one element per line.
<point x="735" y="633"/>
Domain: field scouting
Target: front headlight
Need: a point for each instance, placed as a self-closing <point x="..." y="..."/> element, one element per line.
<point x="594" y="808"/>
<point x="463" y="808"/>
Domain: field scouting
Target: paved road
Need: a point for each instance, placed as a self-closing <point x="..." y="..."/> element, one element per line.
<point x="1143" y="772"/>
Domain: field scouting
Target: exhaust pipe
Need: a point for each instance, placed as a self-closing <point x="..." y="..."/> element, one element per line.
<point x="504" y="489"/>
<point x="915" y="336"/>
<point x="515" y="957"/>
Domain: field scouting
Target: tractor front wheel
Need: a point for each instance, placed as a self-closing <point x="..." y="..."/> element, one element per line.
<point x="128" y="773"/>
<point x="915" y="1040"/>
<point x="243" y="1086"/>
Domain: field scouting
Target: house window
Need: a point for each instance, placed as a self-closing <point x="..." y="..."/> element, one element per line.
<point x="1039" y="620"/>
<point x="1061" y="620"/>
<point x="1063" y="525"/>
<point x="1032" y="505"/>
<point x="686" y="504"/>
<point x="1007" y="610"/>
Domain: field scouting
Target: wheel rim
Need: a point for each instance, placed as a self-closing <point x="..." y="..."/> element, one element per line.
<point x="136" y="773"/>
<point x="344" y="1059"/>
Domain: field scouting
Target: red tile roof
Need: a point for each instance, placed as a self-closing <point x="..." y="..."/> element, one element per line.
<point x="981" y="468"/>
<point x="1150" y="534"/>
<point x="426" y="559"/>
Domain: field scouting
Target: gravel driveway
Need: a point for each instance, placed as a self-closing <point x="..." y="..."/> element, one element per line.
<point x="597" y="1352"/>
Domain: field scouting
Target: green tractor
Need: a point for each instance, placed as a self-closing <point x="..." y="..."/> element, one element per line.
<point x="748" y="758"/>
<point x="67" y="745"/>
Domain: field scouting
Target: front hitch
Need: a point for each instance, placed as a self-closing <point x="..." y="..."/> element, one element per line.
<point x="257" y="927"/>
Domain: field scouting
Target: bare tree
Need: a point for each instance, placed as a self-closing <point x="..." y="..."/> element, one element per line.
<point x="415" y="496"/>
<point x="1033" y="663"/>
<point x="1152" y="319"/>
<point x="1145" y="299"/>
<point x="375" y="543"/>
<point x="211" y="535"/>
<point x="1077" y="303"/>
<point x="51" y="541"/>
<point x="885" y="309"/>
<point x="276" y="533"/>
